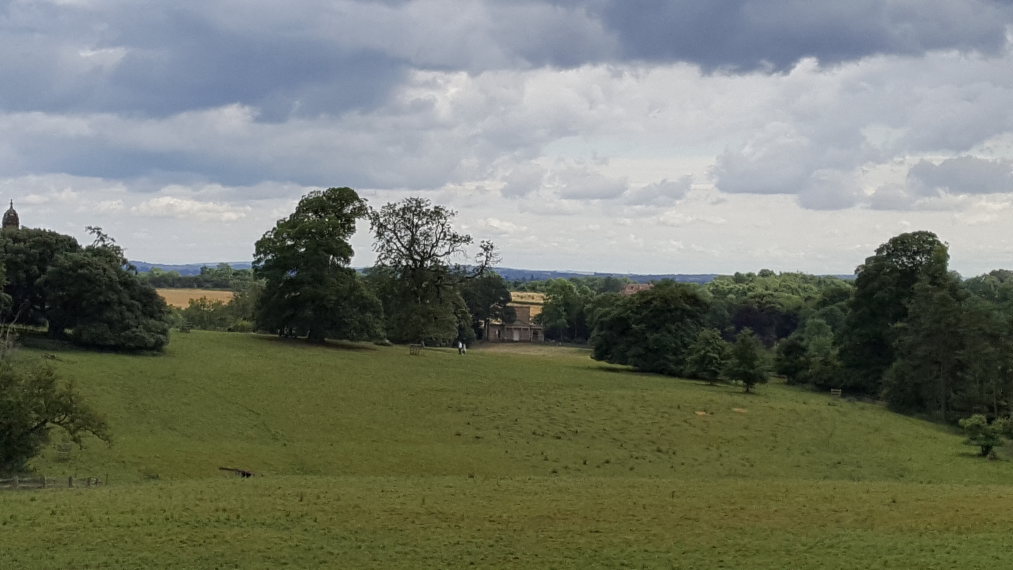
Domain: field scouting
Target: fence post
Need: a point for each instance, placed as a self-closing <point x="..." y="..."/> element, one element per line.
<point x="43" y="481"/>
<point x="15" y="481"/>
<point x="70" y="482"/>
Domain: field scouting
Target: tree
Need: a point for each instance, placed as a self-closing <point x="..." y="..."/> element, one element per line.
<point x="707" y="356"/>
<point x="32" y="403"/>
<point x="928" y="344"/>
<point x="814" y="360"/>
<point x="747" y="361"/>
<point x="652" y="330"/>
<point x="563" y="313"/>
<point x="983" y="434"/>
<point x="883" y="289"/>
<point x="416" y="239"/>
<point x="304" y="260"/>
<point x="486" y="298"/>
<point x="791" y="359"/>
<point x="27" y="256"/>
<point x="96" y="294"/>
<point x="415" y="242"/>
<point x="206" y="314"/>
<point x="986" y="377"/>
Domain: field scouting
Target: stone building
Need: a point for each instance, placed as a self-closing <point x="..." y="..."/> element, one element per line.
<point x="634" y="288"/>
<point x="523" y="329"/>
<point x="11" y="220"/>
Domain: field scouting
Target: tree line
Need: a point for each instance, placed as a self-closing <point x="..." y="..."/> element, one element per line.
<point x="221" y="276"/>
<point x="907" y="330"/>
<point x="90" y="295"/>
<point x="416" y="292"/>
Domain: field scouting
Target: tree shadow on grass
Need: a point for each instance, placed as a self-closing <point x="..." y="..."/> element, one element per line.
<point x="53" y="347"/>
<point x="342" y="345"/>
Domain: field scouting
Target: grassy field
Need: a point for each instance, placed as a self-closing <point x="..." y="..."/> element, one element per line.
<point x="181" y="297"/>
<point x="510" y="457"/>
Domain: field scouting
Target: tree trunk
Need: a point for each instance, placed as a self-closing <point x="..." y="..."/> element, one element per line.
<point x="315" y="335"/>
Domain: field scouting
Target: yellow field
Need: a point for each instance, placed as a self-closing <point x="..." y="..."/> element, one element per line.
<point x="181" y="297"/>
<point x="527" y="297"/>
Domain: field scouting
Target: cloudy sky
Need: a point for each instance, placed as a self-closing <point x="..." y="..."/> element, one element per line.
<point x="606" y="135"/>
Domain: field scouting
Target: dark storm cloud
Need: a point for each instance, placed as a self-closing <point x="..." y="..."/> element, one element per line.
<point x="240" y="91"/>
<point x="316" y="57"/>
<point x="160" y="60"/>
<point x="745" y="35"/>
<point x="961" y="175"/>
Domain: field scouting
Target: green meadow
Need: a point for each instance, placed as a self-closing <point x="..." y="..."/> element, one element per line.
<point x="509" y="457"/>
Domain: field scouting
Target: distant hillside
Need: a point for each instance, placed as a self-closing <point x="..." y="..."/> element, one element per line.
<point x="508" y="273"/>
<point x="188" y="268"/>
<point x="541" y="275"/>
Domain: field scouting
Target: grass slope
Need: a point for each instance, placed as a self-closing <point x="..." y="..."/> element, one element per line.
<point x="535" y="457"/>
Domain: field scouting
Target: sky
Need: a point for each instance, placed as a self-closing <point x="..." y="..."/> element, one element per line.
<point x="632" y="136"/>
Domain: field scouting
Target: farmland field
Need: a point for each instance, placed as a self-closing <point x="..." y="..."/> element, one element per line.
<point x="367" y="457"/>
<point x="181" y="297"/>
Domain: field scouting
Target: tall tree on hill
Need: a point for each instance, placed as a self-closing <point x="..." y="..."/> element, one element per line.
<point x="747" y="361"/>
<point x="304" y="260"/>
<point x="32" y="403"/>
<point x="884" y="289"/>
<point x="27" y="255"/>
<point x="415" y="243"/>
<point x="707" y="356"/>
<point x="928" y="344"/>
<point x="652" y="330"/>
<point x="97" y="295"/>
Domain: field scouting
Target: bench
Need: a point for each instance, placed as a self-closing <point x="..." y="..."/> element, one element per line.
<point x="835" y="392"/>
<point x="415" y="349"/>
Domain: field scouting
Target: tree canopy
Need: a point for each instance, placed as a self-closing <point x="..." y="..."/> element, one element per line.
<point x="652" y="330"/>
<point x="92" y="291"/>
<point x="883" y="289"/>
<point x="304" y="260"/>
<point x="32" y="403"/>
<point x="420" y="288"/>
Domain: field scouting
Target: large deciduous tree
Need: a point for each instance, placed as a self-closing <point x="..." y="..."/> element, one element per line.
<point x="304" y="260"/>
<point x="884" y="289"/>
<point x="707" y="356"/>
<point x="564" y="314"/>
<point x="28" y="254"/>
<point x="415" y="243"/>
<point x="32" y="403"/>
<point x="91" y="291"/>
<point x="97" y="295"/>
<point x="747" y="361"/>
<point x="928" y="344"/>
<point x="652" y="330"/>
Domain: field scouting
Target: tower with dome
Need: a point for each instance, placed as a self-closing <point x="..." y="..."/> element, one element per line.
<point x="11" y="220"/>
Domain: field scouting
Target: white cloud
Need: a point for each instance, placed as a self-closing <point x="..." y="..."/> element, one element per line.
<point x="501" y="227"/>
<point x="185" y="208"/>
<point x="660" y="193"/>
<point x="583" y="183"/>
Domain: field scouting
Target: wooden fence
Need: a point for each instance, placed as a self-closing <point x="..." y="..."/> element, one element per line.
<point x="40" y="482"/>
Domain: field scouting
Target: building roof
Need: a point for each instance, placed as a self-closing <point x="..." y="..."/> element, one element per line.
<point x="11" y="219"/>
<point x="634" y="288"/>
